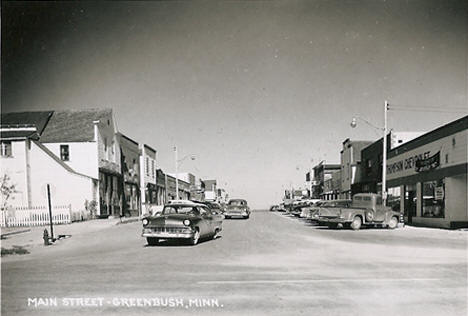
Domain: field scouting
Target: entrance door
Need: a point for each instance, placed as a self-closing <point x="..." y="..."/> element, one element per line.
<point x="410" y="202"/>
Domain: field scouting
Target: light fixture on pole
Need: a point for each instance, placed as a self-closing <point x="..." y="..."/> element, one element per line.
<point x="384" y="149"/>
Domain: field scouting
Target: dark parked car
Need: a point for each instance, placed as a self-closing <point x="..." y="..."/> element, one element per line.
<point x="182" y="220"/>
<point x="237" y="208"/>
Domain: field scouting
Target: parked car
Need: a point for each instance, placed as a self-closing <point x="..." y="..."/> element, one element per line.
<point x="329" y="209"/>
<point x="366" y="209"/>
<point x="310" y="205"/>
<point x="237" y="208"/>
<point x="281" y="208"/>
<point x="274" y="208"/>
<point x="182" y="220"/>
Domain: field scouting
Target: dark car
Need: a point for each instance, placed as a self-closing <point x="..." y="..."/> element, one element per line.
<point x="215" y="207"/>
<point x="237" y="208"/>
<point x="182" y="220"/>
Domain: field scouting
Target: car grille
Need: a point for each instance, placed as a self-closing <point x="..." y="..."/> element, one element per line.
<point x="173" y="230"/>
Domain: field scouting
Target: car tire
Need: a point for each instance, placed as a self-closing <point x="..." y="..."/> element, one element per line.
<point x="152" y="241"/>
<point x="356" y="223"/>
<point x="246" y="217"/>
<point x="392" y="223"/>
<point x="227" y="217"/>
<point x="216" y="233"/>
<point x="196" y="237"/>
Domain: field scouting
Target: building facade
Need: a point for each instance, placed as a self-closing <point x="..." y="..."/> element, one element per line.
<point x="351" y="165"/>
<point x="322" y="173"/>
<point x="148" y="170"/>
<point x="130" y="169"/>
<point x="29" y="167"/>
<point x="427" y="177"/>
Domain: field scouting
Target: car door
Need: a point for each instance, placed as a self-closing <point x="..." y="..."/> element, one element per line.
<point x="206" y="221"/>
<point x="379" y="210"/>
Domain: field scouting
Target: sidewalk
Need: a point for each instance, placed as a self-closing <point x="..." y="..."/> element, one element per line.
<point x="33" y="236"/>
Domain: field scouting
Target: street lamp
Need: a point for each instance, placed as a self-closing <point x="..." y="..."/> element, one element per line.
<point x="384" y="154"/>
<point x="177" y="161"/>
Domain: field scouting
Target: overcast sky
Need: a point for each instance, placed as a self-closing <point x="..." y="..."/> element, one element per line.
<point x="258" y="91"/>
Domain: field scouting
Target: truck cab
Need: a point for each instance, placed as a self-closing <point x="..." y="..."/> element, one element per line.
<point x="366" y="209"/>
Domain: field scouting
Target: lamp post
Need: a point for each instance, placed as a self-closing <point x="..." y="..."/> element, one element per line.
<point x="384" y="152"/>
<point x="177" y="161"/>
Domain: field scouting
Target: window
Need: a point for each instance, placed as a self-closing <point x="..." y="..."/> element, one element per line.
<point x="152" y="167"/>
<point x="147" y="166"/>
<point x="6" y="149"/>
<point x="433" y="199"/>
<point x="64" y="152"/>
<point x="369" y="163"/>
<point x="393" y="198"/>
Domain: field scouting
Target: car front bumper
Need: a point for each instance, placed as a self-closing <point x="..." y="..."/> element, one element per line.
<point x="236" y="214"/>
<point x="148" y="232"/>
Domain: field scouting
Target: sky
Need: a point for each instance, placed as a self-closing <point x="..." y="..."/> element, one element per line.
<point x="258" y="91"/>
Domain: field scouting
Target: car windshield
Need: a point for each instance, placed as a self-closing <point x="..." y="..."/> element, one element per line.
<point x="237" y="203"/>
<point x="180" y="209"/>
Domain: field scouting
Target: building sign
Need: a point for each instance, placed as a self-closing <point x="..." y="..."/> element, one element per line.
<point x="428" y="163"/>
<point x="439" y="193"/>
<point x="408" y="163"/>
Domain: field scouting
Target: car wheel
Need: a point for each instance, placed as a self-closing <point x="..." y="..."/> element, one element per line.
<point x="245" y="217"/>
<point x="393" y="223"/>
<point x="195" y="238"/>
<point x="356" y="223"/>
<point x="152" y="241"/>
<point x="216" y="233"/>
<point x="332" y="225"/>
<point x="227" y="217"/>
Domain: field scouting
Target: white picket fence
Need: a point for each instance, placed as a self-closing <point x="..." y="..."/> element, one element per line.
<point x="35" y="216"/>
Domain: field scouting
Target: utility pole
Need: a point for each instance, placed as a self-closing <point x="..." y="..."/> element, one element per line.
<point x="384" y="157"/>
<point x="176" y="173"/>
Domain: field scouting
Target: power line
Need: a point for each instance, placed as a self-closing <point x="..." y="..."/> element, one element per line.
<point x="428" y="109"/>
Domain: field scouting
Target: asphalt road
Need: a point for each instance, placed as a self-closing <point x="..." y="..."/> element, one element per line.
<point x="270" y="264"/>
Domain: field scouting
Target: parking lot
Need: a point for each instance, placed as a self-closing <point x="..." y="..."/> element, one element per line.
<point x="270" y="264"/>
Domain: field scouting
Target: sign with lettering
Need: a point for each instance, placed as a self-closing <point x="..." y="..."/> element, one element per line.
<point x="428" y="163"/>
<point x="439" y="193"/>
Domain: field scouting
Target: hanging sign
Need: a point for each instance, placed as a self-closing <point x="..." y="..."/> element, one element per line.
<point x="428" y="163"/>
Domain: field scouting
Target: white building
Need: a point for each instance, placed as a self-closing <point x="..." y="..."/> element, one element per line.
<point x="30" y="167"/>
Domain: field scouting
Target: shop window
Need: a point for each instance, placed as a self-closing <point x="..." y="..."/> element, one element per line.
<point x="64" y="152"/>
<point x="433" y="199"/>
<point x="393" y="198"/>
<point x="6" y="149"/>
<point x="411" y="200"/>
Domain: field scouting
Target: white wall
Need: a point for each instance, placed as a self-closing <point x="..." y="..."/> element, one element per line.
<point x="83" y="157"/>
<point x="15" y="168"/>
<point x="67" y="187"/>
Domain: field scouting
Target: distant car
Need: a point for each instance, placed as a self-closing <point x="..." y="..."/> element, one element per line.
<point x="215" y="207"/>
<point x="237" y="208"/>
<point x="182" y="220"/>
<point x="274" y="208"/>
<point x="366" y="210"/>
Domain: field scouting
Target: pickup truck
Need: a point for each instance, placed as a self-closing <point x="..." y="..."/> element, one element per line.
<point x="366" y="209"/>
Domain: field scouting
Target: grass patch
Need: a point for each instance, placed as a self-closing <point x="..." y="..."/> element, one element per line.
<point x="16" y="250"/>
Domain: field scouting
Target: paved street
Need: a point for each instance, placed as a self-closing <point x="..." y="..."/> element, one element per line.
<point x="271" y="264"/>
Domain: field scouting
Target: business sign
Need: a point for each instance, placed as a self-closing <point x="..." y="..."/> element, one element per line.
<point x="429" y="163"/>
<point x="439" y="193"/>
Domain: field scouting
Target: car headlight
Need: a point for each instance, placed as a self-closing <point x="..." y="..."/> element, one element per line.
<point x="186" y="222"/>
<point x="145" y="221"/>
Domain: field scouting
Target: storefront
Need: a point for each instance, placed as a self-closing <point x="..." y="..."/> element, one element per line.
<point x="427" y="177"/>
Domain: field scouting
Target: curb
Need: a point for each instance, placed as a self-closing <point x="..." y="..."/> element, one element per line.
<point x="15" y="232"/>
<point x="127" y="221"/>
